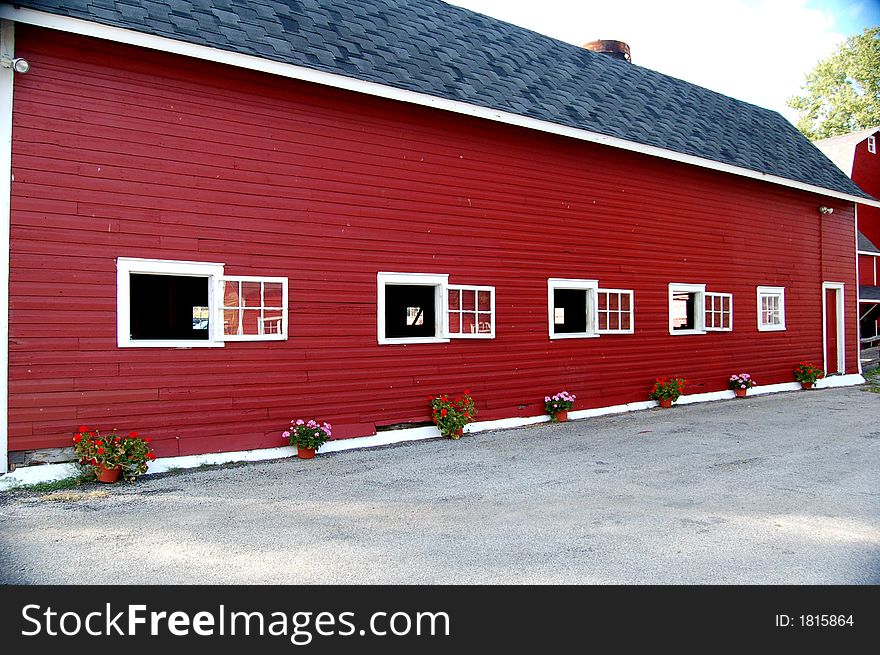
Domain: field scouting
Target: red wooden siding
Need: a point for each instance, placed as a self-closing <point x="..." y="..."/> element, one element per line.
<point x="867" y="270"/>
<point x="125" y="153"/>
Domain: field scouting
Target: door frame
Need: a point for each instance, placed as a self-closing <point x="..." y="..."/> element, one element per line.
<point x="841" y="325"/>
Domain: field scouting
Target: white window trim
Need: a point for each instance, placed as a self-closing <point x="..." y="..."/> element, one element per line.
<point x="699" y="307"/>
<point x="218" y="313"/>
<point x="772" y="291"/>
<point x="554" y="283"/>
<point x="632" y="312"/>
<point x="872" y="145"/>
<point x="438" y="281"/>
<point x="706" y="295"/>
<point x="125" y="266"/>
<point x="446" y="310"/>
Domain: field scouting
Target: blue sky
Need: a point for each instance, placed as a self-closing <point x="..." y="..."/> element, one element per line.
<point x="755" y="50"/>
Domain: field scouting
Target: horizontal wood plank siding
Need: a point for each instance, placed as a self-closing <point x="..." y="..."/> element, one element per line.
<point x="117" y="154"/>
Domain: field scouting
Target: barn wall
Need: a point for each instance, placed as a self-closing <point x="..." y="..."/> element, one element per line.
<point x="120" y="152"/>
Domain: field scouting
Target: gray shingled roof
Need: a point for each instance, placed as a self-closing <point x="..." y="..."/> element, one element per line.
<point x="437" y="49"/>
<point x="865" y="244"/>
<point x="869" y="293"/>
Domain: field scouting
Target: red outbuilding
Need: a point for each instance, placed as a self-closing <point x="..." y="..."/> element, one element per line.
<point x="226" y="218"/>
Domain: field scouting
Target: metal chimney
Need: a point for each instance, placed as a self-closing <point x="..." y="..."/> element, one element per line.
<point x="616" y="49"/>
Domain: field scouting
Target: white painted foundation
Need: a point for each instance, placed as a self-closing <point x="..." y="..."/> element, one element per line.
<point x="51" y="472"/>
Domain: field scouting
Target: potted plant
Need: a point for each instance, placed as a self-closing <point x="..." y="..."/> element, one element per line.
<point x="741" y="383"/>
<point x="307" y="436"/>
<point x="558" y="405"/>
<point x="807" y="374"/>
<point x="667" y="390"/>
<point x="451" y="416"/>
<point x="112" y="456"/>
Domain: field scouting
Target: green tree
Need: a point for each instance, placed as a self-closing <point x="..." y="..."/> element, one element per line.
<point x="842" y="93"/>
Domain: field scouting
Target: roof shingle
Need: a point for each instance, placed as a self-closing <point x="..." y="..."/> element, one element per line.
<point x="434" y="48"/>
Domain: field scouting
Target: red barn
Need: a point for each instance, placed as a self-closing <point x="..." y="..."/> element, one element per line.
<point x="856" y="155"/>
<point x="225" y="215"/>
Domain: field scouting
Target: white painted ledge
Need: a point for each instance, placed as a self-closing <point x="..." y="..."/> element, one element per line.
<point x="52" y="472"/>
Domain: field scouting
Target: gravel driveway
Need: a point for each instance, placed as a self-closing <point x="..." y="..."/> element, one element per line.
<point x="783" y="488"/>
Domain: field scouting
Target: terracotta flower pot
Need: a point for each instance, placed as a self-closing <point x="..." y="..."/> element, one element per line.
<point x="106" y="475"/>
<point x="560" y="417"/>
<point x="305" y="453"/>
<point x="740" y="393"/>
<point x="807" y="385"/>
<point x="666" y="403"/>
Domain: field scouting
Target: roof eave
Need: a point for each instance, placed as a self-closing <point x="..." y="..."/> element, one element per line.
<point x="292" y="71"/>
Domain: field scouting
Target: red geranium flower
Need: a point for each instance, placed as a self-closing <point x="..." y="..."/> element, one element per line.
<point x="133" y="435"/>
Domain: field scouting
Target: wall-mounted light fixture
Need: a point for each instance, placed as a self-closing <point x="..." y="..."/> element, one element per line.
<point x="19" y="64"/>
<point x="826" y="210"/>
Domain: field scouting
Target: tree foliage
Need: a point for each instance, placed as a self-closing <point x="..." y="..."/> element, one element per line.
<point x="842" y="93"/>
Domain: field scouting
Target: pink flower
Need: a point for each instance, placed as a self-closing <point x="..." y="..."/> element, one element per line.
<point x="285" y="434"/>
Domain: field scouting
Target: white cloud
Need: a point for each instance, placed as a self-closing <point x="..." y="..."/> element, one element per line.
<point x="754" y="50"/>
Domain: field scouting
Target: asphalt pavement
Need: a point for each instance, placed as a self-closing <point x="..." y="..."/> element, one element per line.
<point x="777" y="489"/>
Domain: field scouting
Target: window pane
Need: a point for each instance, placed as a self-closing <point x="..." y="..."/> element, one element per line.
<point x="603" y="320"/>
<point x="468" y="323"/>
<point x="271" y="322"/>
<point x="614" y="321"/>
<point x="250" y="294"/>
<point x="454" y="323"/>
<point x="624" y="302"/>
<point x="230" y="294"/>
<point x="230" y="321"/>
<point x="250" y="320"/>
<point x="484" y="301"/>
<point x="454" y="299"/>
<point x="273" y="294"/>
<point x="484" y="323"/>
<point x="168" y="307"/>
<point x="468" y="300"/>
<point x="624" y="321"/>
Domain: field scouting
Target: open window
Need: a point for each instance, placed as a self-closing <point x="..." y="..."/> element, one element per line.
<point x="571" y="308"/>
<point x="771" y="309"/>
<point x="175" y="304"/>
<point x="411" y="308"/>
<point x="425" y="308"/>
<point x="686" y="308"/>
<point x="693" y="310"/>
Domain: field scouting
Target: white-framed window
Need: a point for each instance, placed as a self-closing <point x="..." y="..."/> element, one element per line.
<point x="180" y="304"/>
<point x="718" y="312"/>
<point x="614" y="309"/>
<point x="470" y="312"/>
<point x="571" y="306"/>
<point x="410" y="308"/>
<point x="872" y="145"/>
<point x="687" y="308"/>
<point x="771" y="308"/>
<point x="425" y="308"/>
